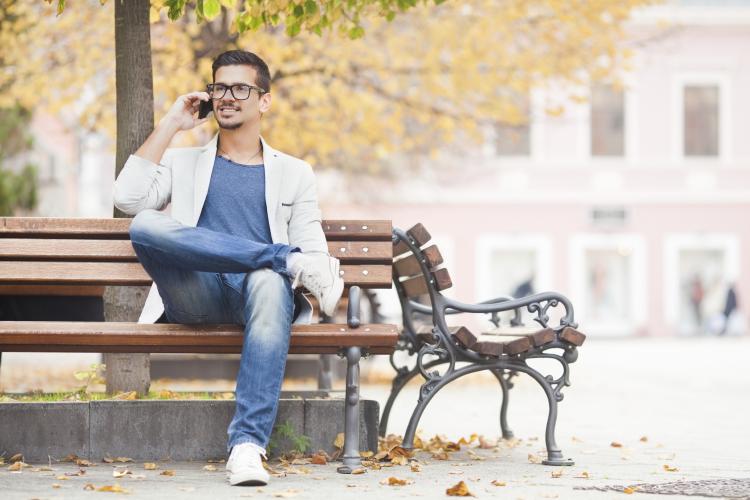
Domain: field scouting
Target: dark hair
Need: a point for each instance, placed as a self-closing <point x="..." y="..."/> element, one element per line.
<point x="232" y="57"/>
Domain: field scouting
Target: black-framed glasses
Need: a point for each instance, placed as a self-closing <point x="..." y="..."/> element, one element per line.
<point x="240" y="91"/>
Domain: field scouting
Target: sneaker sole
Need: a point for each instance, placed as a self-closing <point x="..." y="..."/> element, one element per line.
<point x="247" y="478"/>
<point x="333" y="297"/>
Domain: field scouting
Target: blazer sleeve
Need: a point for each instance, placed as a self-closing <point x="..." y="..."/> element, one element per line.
<point x="143" y="184"/>
<point x="305" y="226"/>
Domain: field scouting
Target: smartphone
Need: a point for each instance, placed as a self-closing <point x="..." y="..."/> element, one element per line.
<point x="205" y="108"/>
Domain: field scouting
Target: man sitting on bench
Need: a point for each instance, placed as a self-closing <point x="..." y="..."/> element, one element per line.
<point x="244" y="231"/>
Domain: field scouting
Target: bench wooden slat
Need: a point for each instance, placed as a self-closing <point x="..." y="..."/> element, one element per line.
<point x="122" y="250"/>
<point x="65" y="226"/>
<point x="488" y="343"/>
<point x="410" y="265"/>
<point x="118" y="228"/>
<point x="418" y="286"/>
<point x="66" y="290"/>
<point x="538" y="337"/>
<point x="419" y="233"/>
<point x="132" y="273"/>
<point x="56" y="336"/>
<point x="358" y="229"/>
<point x="572" y="336"/>
<point x="176" y="349"/>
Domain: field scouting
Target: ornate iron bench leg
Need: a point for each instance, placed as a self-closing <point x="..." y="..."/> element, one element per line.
<point x="351" y="458"/>
<point x="554" y="455"/>
<point x="506" y="385"/>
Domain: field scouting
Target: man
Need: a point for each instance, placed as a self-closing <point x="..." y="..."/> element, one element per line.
<point x="244" y="223"/>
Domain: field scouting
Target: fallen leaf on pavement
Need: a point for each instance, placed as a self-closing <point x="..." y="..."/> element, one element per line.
<point x="62" y="478"/>
<point x="120" y="473"/>
<point x="670" y="468"/>
<point x="440" y="456"/>
<point x="81" y="462"/>
<point x="89" y="487"/>
<point x="359" y="470"/>
<point x="416" y="467"/>
<point x="486" y="444"/>
<point x="123" y="459"/>
<point x="80" y="472"/>
<point x="472" y="438"/>
<point x="319" y="459"/>
<point x="394" y="481"/>
<point x="459" y="490"/>
<point x="534" y="459"/>
<point x="644" y="439"/>
<point x="498" y="483"/>
<point x="211" y="468"/>
<point x="583" y="475"/>
<point x="168" y="472"/>
<point x="149" y="466"/>
<point x="56" y="485"/>
<point x="556" y="473"/>
<point x="615" y="444"/>
<point x="628" y="490"/>
<point x="115" y="488"/>
<point x="18" y="457"/>
<point x="17" y="466"/>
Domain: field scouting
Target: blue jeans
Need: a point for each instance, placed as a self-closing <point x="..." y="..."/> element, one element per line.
<point x="204" y="276"/>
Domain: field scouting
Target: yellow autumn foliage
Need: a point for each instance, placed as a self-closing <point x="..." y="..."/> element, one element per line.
<point x="434" y="75"/>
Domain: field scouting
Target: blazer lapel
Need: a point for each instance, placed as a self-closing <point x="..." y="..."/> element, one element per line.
<point x="273" y="174"/>
<point x="203" y="170"/>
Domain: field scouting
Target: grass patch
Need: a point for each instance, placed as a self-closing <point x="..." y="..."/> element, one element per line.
<point x="164" y="395"/>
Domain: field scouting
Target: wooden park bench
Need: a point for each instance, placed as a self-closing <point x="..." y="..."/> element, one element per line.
<point x="503" y="349"/>
<point x="50" y="256"/>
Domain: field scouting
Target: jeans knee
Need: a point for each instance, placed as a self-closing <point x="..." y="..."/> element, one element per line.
<point x="265" y="285"/>
<point x="268" y="295"/>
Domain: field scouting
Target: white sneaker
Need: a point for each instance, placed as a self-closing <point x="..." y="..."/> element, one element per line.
<point x="319" y="273"/>
<point x="244" y="466"/>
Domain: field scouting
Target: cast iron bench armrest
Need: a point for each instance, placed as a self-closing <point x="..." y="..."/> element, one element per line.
<point x="427" y="310"/>
<point x="532" y="302"/>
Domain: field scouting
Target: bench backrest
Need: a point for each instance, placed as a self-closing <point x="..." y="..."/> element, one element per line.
<point x="79" y="256"/>
<point x="407" y="272"/>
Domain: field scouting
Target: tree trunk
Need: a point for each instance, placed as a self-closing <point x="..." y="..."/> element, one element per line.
<point x="135" y="121"/>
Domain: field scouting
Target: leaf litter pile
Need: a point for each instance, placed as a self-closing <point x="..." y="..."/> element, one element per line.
<point x="123" y="468"/>
<point x="391" y="459"/>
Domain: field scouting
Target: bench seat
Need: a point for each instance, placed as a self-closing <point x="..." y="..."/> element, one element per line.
<point x="64" y="336"/>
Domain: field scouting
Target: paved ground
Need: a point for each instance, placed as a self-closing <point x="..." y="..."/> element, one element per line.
<point x="688" y="398"/>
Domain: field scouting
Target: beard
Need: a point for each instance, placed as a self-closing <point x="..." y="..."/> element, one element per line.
<point x="228" y="126"/>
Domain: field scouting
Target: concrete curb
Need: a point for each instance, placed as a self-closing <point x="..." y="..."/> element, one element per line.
<point x="171" y="429"/>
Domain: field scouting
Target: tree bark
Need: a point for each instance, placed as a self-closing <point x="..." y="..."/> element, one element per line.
<point x="135" y="121"/>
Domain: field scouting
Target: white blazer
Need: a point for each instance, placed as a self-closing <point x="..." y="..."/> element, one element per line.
<point x="182" y="178"/>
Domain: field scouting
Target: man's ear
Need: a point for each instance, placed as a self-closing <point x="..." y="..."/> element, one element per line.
<point x="264" y="104"/>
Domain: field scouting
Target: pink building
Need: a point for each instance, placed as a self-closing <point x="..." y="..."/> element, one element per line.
<point x="634" y="205"/>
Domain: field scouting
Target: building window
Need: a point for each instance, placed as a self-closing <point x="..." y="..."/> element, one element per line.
<point x="513" y="138"/>
<point x="607" y="121"/>
<point x="608" y="285"/>
<point x="701" y="123"/>
<point x="517" y="265"/>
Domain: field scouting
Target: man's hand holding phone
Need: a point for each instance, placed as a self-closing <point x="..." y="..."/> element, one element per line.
<point x="182" y="113"/>
<point x="181" y="116"/>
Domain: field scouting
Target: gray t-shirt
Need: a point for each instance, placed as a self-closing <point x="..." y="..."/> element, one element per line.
<point x="236" y="201"/>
